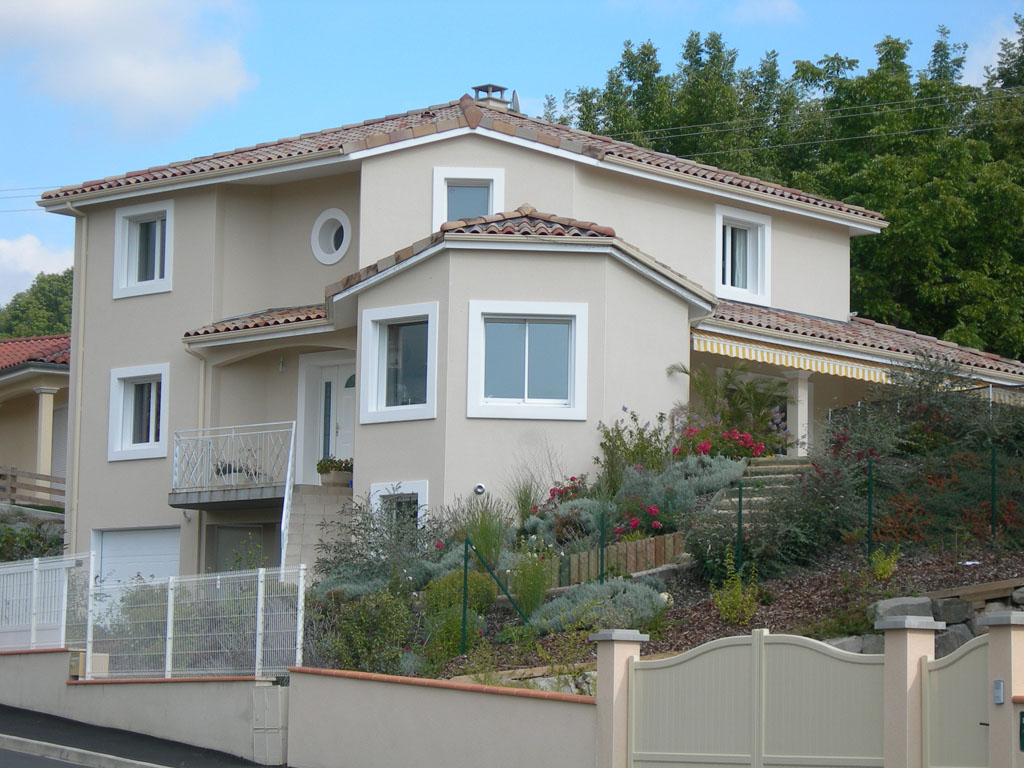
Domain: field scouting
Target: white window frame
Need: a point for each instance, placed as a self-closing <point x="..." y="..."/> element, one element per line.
<point x="373" y="337"/>
<point x="119" y="445"/>
<point x="419" y="487"/>
<point x="494" y="178"/>
<point x="760" y="228"/>
<point x="323" y="255"/>
<point x="479" y="407"/>
<point x="126" y="232"/>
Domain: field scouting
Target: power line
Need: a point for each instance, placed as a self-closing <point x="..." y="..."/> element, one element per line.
<point x="26" y="189"/>
<point x="854" y="138"/>
<point x="15" y="197"/>
<point x="813" y="119"/>
<point x="866" y="109"/>
<point x="21" y="210"/>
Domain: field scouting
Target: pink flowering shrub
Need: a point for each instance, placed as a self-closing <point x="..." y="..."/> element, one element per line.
<point x="639" y="521"/>
<point x="710" y="440"/>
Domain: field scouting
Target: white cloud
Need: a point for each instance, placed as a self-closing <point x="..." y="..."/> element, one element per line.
<point x="24" y="258"/>
<point x="983" y="51"/>
<point x="770" y="11"/>
<point x="144" y="64"/>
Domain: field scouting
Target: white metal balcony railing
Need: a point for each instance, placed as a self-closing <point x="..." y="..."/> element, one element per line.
<point x="246" y="456"/>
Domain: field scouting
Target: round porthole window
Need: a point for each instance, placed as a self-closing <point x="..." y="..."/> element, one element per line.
<point x="331" y="236"/>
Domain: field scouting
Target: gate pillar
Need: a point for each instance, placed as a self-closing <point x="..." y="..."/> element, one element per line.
<point x="1005" y="664"/>
<point x="616" y="649"/>
<point x="908" y="640"/>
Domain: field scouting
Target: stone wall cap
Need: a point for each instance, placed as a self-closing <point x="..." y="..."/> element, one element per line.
<point x="1002" y="619"/>
<point x="626" y="635"/>
<point x="909" y="622"/>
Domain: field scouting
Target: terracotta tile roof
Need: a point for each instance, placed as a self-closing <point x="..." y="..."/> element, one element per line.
<point x="55" y="350"/>
<point x="861" y="332"/>
<point x="525" y="220"/>
<point x="263" y="319"/>
<point x="439" y="119"/>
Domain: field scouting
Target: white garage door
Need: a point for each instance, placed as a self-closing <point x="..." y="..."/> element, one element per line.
<point x="145" y="552"/>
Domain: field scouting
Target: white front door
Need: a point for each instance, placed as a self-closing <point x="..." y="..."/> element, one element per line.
<point x="327" y="410"/>
<point x="337" y="411"/>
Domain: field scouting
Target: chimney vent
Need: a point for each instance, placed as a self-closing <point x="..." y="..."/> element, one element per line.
<point x="491" y="95"/>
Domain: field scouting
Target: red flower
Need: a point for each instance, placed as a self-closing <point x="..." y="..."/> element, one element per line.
<point x="653" y="509"/>
<point x="618" y="530"/>
<point x="676" y="450"/>
<point x="440" y="545"/>
<point x="634" y="523"/>
<point x="656" y="525"/>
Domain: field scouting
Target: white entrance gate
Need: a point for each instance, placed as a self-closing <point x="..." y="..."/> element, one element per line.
<point x="759" y="700"/>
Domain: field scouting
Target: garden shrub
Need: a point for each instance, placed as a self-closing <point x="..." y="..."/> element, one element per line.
<point x="368" y="635"/>
<point x="446" y="592"/>
<point x="736" y="602"/>
<point x="23" y="542"/>
<point x="628" y="443"/>
<point x="570" y="522"/>
<point x="532" y="575"/>
<point x="616" y="604"/>
<point x="486" y="521"/>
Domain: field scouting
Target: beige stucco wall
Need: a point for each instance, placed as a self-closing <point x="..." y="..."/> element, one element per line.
<point x="263" y="242"/>
<point x="335" y="720"/>
<point x="18" y="420"/>
<point x="211" y="714"/>
<point x="810" y="258"/>
<point x="635" y="329"/>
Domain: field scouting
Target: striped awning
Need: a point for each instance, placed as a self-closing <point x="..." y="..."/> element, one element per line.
<point x="789" y="357"/>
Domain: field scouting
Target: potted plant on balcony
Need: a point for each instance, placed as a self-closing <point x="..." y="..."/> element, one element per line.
<point x="335" y="471"/>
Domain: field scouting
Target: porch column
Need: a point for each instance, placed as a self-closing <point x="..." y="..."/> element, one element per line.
<point x="908" y="639"/>
<point x="1005" y="664"/>
<point x="44" y="429"/>
<point x="616" y="648"/>
<point x="798" y="411"/>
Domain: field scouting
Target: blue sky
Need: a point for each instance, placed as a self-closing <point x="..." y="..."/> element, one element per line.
<point x="93" y="88"/>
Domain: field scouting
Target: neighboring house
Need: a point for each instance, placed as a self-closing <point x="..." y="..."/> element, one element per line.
<point x="461" y="330"/>
<point x="34" y="410"/>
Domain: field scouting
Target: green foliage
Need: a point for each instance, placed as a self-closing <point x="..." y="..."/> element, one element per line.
<point x="736" y="602"/>
<point x="368" y="635"/>
<point x="486" y="521"/>
<point x="41" y="310"/>
<point x="942" y="160"/>
<point x="532" y="574"/>
<point x="850" y="620"/>
<point x="616" y="604"/>
<point x="27" y="541"/>
<point x="446" y="592"/>
<point x="332" y="464"/>
<point x="628" y="443"/>
<point x="883" y="564"/>
<point x="362" y="550"/>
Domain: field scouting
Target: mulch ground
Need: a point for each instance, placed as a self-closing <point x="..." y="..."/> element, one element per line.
<point x="804" y="597"/>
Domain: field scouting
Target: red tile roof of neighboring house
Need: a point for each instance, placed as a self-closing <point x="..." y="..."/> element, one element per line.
<point x="464" y="113"/>
<point x="861" y="332"/>
<point x="55" y="350"/>
<point x="263" y="319"/>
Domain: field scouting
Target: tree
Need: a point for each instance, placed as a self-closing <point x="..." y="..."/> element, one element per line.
<point x="42" y="309"/>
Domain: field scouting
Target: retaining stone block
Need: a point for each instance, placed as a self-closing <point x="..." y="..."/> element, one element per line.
<point x="900" y="606"/>
<point x="951" y="610"/>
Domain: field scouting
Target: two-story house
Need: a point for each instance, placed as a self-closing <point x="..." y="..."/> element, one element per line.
<point x="426" y="292"/>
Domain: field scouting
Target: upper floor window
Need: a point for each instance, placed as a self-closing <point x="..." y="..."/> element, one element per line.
<point x="143" y="248"/>
<point x="743" y="255"/>
<point x="331" y="236"/>
<point x="138" y="412"/>
<point x="465" y="193"/>
<point x="398" y="363"/>
<point x="527" y="360"/>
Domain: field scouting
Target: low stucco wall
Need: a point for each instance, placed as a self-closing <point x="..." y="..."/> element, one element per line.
<point x="234" y="715"/>
<point x="379" y="720"/>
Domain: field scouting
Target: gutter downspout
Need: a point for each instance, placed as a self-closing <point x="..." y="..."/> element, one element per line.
<point x="77" y="366"/>
<point x="202" y="423"/>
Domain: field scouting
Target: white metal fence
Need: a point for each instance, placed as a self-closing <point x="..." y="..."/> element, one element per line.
<point x="249" y="455"/>
<point x="34" y="598"/>
<point x="237" y="623"/>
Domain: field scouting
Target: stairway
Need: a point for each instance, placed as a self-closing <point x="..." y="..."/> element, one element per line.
<point x="761" y="479"/>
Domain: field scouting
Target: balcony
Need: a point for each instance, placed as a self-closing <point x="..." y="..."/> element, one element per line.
<point x="246" y="466"/>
